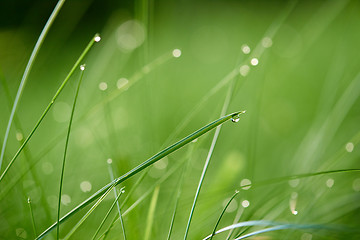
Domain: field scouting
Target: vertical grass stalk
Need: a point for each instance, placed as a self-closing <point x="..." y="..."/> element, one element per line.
<point x="151" y="213"/>
<point x="32" y="217"/>
<point x="116" y="197"/>
<point x="108" y="213"/>
<point x="82" y="68"/>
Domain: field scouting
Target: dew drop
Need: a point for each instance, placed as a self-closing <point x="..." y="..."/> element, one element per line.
<point x="245" y="203"/>
<point x="97" y="38"/>
<point x="122" y="82"/>
<point x="65" y="199"/>
<point x="244" y="70"/>
<point x="245" y="184"/>
<point x="245" y="49"/>
<point x="254" y="61"/>
<point x="82" y="67"/>
<point x="236" y="117"/>
<point x="123" y="191"/>
<point x="29" y="200"/>
<point x="349" y="147"/>
<point x="176" y="53"/>
<point x="19" y="136"/>
<point x="330" y="183"/>
<point x="85" y="186"/>
<point x="109" y="161"/>
<point x="103" y="86"/>
<point x="267" y="42"/>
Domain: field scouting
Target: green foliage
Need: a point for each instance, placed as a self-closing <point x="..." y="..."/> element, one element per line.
<point x="162" y="70"/>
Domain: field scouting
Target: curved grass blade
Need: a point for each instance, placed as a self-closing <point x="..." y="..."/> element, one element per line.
<point x="280" y="227"/>
<point x="223" y="211"/>
<point x="26" y="73"/>
<point x="82" y="68"/>
<point x="277" y="225"/>
<point x="144" y="165"/>
<point x="108" y="213"/>
<point x="96" y="38"/>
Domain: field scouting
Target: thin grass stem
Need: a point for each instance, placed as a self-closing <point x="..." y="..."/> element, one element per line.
<point x="207" y="161"/>
<point x="181" y="181"/>
<point x="32" y="217"/>
<point x="108" y="213"/>
<point x="151" y="213"/>
<point x="82" y="68"/>
<point x="111" y="172"/>
<point x="222" y="213"/>
<point x="82" y="220"/>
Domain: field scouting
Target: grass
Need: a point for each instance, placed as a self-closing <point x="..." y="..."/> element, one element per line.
<point x="161" y="71"/>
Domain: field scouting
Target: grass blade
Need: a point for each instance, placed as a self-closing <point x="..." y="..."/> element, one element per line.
<point x="181" y="181"/>
<point x="96" y="38"/>
<point x="115" y="194"/>
<point x="32" y="216"/>
<point x="108" y="213"/>
<point x="82" y="68"/>
<point x="26" y="73"/>
<point x="144" y="165"/>
<point x="222" y="213"/>
<point x="151" y="213"/>
<point x="82" y="220"/>
<point x="278" y="226"/>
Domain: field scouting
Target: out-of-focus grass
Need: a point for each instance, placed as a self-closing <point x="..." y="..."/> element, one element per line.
<point x="302" y="102"/>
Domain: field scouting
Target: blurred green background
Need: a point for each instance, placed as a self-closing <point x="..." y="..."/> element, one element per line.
<point x="302" y="102"/>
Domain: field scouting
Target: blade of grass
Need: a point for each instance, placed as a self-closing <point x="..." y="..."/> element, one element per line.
<point x="87" y="214"/>
<point x="108" y="213"/>
<point x="96" y="38"/>
<point x="181" y="181"/>
<point x="212" y="147"/>
<point x="144" y="165"/>
<point x="82" y="68"/>
<point x="145" y="195"/>
<point x="222" y="213"/>
<point x="278" y="226"/>
<point x="111" y="172"/>
<point x="236" y="219"/>
<point x="26" y="73"/>
<point x="32" y="217"/>
<point x="151" y="213"/>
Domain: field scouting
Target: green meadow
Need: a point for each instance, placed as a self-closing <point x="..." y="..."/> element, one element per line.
<point x="180" y="119"/>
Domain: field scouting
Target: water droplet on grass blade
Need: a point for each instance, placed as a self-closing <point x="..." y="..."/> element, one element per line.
<point x="236" y="117"/>
<point x="97" y="38"/>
